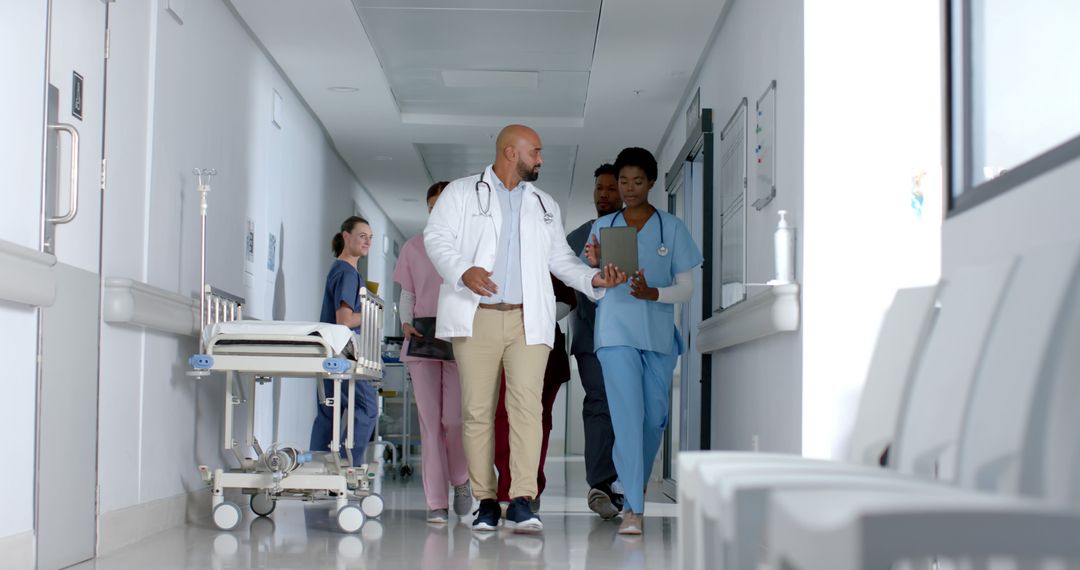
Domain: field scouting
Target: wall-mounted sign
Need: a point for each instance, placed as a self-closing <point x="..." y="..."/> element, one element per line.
<point x="76" y="95"/>
<point x="271" y="253"/>
<point x="693" y="112"/>
<point x="249" y="242"/>
<point x="276" y="110"/>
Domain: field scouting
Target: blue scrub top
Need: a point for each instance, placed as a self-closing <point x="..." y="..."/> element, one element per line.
<point x="622" y="320"/>
<point x="342" y="284"/>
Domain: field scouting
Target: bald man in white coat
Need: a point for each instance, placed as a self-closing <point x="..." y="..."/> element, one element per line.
<point x="494" y="237"/>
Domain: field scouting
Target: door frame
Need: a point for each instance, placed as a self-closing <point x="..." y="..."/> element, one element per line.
<point x="699" y="142"/>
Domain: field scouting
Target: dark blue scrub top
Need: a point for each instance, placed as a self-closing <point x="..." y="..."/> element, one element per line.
<point x="342" y="285"/>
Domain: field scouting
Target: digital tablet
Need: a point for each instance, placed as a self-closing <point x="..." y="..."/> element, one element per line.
<point x="429" y="346"/>
<point x="619" y="247"/>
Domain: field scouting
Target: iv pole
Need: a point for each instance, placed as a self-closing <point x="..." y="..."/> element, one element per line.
<point x="203" y="176"/>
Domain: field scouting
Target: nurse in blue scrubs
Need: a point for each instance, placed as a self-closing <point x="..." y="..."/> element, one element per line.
<point x="341" y="305"/>
<point x="636" y="341"/>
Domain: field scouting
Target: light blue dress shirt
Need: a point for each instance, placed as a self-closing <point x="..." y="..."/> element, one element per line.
<point x="507" y="271"/>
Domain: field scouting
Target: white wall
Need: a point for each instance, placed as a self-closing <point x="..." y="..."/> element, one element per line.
<point x="22" y="65"/>
<point x="756" y="386"/>
<point x="1042" y="211"/>
<point x="873" y="124"/>
<point x="858" y="120"/>
<point x="22" y="107"/>
<point x="199" y="95"/>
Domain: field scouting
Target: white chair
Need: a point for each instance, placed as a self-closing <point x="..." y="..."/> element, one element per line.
<point x="1029" y="356"/>
<point x="904" y="330"/>
<point x="735" y="511"/>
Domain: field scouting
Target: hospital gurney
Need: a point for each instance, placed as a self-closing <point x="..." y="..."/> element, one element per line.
<point x="251" y="351"/>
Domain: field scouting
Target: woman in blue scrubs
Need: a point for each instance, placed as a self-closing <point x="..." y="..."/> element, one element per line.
<point x="636" y="340"/>
<point x="341" y="305"/>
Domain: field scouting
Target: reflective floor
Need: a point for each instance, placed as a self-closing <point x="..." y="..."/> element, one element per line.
<point x="301" y="535"/>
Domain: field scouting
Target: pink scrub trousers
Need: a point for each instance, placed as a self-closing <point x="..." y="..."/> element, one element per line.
<point x="438" y="402"/>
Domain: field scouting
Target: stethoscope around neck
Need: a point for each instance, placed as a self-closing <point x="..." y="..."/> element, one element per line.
<point x="485" y="210"/>
<point x="662" y="251"/>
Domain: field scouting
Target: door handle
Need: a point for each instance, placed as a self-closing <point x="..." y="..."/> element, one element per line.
<point x="73" y="195"/>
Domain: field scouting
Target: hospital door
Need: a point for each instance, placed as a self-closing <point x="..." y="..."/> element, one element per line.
<point x="67" y="389"/>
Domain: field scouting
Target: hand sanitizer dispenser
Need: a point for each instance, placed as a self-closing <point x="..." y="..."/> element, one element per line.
<point x="784" y="252"/>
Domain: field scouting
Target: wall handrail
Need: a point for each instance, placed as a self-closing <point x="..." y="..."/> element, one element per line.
<point x="29" y="275"/>
<point x="131" y="302"/>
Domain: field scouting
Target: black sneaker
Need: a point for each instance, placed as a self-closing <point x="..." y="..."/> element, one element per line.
<point x="521" y="518"/>
<point x="487" y="516"/>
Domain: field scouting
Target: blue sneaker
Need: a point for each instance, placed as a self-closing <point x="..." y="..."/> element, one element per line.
<point x="521" y="518"/>
<point x="487" y="516"/>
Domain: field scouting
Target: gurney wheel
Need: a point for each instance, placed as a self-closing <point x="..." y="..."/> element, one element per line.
<point x="227" y="516"/>
<point x="406" y="471"/>
<point x="262" y="504"/>
<point x="350" y="518"/>
<point x="372" y="505"/>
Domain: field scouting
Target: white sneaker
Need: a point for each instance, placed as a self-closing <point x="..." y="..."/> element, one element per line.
<point x="438" y="516"/>
<point x="521" y="519"/>
<point x="631" y="523"/>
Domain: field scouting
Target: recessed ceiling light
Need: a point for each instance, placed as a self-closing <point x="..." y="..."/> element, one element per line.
<point x="410" y="199"/>
<point x="343" y="89"/>
<point x="382" y="157"/>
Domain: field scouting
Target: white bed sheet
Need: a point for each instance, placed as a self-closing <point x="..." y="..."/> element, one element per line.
<point x="338" y="336"/>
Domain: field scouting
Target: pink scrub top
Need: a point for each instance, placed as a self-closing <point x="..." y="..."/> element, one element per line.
<point x="418" y="276"/>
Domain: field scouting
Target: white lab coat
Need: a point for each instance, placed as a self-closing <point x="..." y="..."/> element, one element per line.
<point x="458" y="236"/>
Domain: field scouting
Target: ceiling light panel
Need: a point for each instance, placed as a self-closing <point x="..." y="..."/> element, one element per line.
<point x="467" y="78"/>
<point x="482" y="39"/>
<point x="536" y="5"/>
<point x="556" y="94"/>
<point x="473" y="57"/>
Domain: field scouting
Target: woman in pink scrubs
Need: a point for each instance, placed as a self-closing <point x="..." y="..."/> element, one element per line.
<point x="435" y="383"/>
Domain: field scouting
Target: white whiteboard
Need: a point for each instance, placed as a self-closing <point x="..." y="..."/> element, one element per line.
<point x="765" y="147"/>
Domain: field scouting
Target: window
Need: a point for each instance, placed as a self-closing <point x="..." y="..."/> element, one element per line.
<point x="1014" y="91"/>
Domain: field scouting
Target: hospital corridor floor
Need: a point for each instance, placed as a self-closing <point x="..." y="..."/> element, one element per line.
<point x="303" y="535"/>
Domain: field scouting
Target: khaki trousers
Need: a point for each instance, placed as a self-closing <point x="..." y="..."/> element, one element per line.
<point x="498" y="341"/>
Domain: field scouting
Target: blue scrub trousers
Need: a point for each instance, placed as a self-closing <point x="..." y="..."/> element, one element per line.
<point x="366" y="413"/>
<point x="638" y="386"/>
